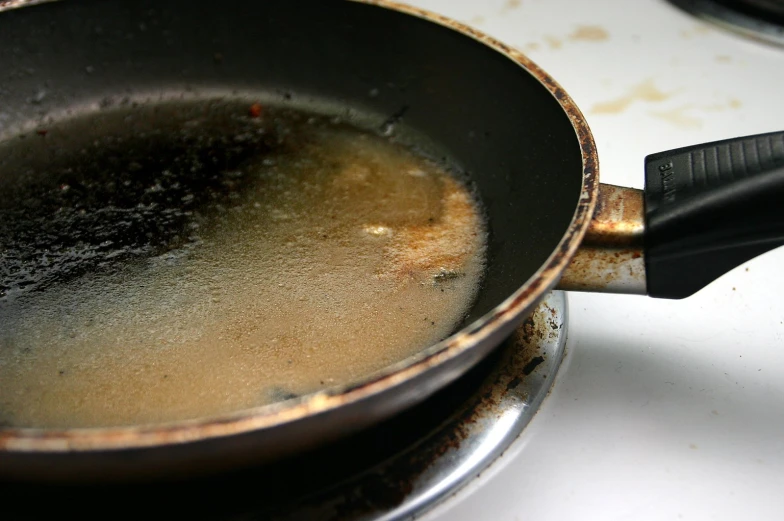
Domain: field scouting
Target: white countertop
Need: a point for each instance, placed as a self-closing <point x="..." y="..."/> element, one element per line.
<point x="662" y="409"/>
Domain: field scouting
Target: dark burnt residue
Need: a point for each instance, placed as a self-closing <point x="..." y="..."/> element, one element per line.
<point x="514" y="382"/>
<point x="527" y="330"/>
<point x="533" y="364"/>
<point x="389" y="124"/>
<point x="280" y="394"/>
<point x="98" y="194"/>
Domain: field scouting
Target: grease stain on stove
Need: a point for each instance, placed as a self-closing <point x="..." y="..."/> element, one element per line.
<point x="554" y="42"/>
<point x="697" y="30"/>
<point x="646" y="91"/>
<point x="476" y="20"/>
<point x="589" y="33"/>
<point x="723" y="58"/>
<point x="678" y="117"/>
<point x="581" y="33"/>
<point x="511" y="5"/>
<point x="731" y="103"/>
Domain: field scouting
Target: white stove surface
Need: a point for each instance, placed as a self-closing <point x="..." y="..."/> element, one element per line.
<point x="662" y="409"/>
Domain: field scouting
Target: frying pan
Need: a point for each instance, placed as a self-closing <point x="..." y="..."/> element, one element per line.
<point x="525" y="145"/>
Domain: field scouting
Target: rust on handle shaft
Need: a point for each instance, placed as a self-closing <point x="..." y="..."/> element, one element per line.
<point x="610" y="258"/>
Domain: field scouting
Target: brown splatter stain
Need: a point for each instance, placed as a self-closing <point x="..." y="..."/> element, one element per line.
<point x="732" y="103"/>
<point x="585" y="33"/>
<point x="678" y="117"/>
<point x="723" y="58"/>
<point x="477" y="20"/>
<point x="553" y="42"/>
<point x="693" y="446"/>
<point x="697" y="30"/>
<point x="645" y="91"/>
<point x="589" y="33"/>
<point x="511" y="4"/>
<point x="715" y="412"/>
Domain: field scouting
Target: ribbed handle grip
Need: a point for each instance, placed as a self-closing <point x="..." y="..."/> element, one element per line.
<point x="710" y="208"/>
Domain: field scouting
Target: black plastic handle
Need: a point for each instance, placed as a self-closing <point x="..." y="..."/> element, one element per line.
<point x="709" y="208"/>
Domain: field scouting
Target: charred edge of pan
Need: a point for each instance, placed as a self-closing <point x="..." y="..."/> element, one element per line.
<point x="132" y="437"/>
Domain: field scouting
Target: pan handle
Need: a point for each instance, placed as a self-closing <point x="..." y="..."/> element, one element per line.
<point x="706" y="209"/>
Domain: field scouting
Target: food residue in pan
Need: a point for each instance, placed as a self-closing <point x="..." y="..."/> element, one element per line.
<point x="190" y="259"/>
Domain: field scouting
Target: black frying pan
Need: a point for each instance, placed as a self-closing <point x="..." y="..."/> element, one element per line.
<point x="525" y="146"/>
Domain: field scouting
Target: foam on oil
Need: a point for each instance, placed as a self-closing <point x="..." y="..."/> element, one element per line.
<point x="268" y="257"/>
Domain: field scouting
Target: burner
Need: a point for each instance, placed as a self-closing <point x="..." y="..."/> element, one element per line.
<point x="394" y="470"/>
<point x="759" y="19"/>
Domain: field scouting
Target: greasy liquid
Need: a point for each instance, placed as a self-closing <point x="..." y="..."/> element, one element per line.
<point x="310" y="254"/>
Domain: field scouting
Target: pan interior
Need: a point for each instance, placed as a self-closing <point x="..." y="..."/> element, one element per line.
<point x="183" y="260"/>
<point x="459" y="99"/>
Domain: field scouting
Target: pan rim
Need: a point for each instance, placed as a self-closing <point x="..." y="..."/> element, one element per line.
<point x="512" y="309"/>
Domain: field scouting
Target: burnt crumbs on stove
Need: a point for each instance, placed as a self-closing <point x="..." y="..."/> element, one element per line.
<point x="533" y="364"/>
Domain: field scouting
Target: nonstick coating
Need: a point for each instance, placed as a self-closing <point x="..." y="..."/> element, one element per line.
<point x="468" y="102"/>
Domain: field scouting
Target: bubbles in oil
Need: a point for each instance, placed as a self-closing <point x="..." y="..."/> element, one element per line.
<point x="193" y="260"/>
